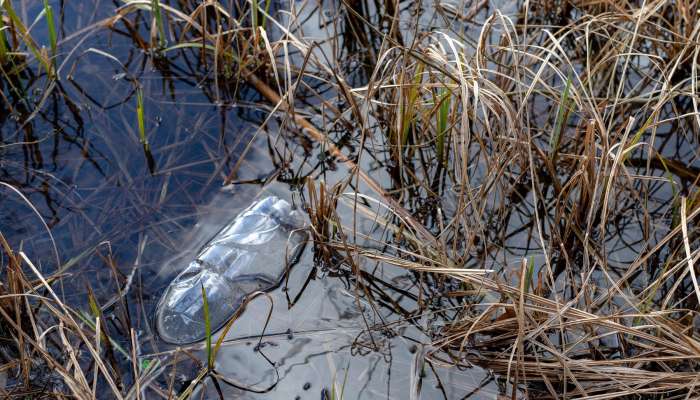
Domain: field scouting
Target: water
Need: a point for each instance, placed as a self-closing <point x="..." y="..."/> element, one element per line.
<point x="117" y="223"/>
<point x="124" y="230"/>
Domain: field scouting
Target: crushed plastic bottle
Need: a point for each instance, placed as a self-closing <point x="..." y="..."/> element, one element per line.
<point x="251" y="253"/>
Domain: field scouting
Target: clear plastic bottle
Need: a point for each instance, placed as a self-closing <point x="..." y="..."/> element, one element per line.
<point x="251" y="253"/>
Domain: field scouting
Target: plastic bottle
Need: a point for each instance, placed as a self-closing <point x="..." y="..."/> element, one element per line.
<point x="251" y="253"/>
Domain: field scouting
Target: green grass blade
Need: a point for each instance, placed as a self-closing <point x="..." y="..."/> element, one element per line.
<point x="86" y="319"/>
<point x="529" y="274"/>
<point x="268" y="3"/>
<point x="28" y="41"/>
<point x="140" y="116"/>
<point x="254" y="14"/>
<point x="94" y="308"/>
<point x="442" y="122"/>
<point x="345" y="380"/>
<point x="150" y="161"/>
<point x="207" y="329"/>
<point x="186" y="45"/>
<point x="409" y="111"/>
<point x="638" y="136"/>
<point x="155" y="9"/>
<point x="562" y="112"/>
<point x="53" y="38"/>
<point x="4" y="47"/>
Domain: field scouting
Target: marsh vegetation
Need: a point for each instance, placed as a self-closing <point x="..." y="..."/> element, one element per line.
<point x="502" y="196"/>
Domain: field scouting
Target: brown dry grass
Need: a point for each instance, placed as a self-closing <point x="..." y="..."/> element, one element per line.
<point x="558" y="128"/>
<point x="549" y="163"/>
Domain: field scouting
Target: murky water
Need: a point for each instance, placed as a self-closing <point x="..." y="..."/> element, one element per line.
<point x="78" y="165"/>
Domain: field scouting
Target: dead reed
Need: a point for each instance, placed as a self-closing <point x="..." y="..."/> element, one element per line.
<point x="547" y="164"/>
<point x="550" y="144"/>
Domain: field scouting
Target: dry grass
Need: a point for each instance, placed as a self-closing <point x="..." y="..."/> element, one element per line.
<point x="549" y="164"/>
<point x="551" y="145"/>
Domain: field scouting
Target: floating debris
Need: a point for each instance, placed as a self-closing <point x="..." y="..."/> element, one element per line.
<point x="251" y="253"/>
